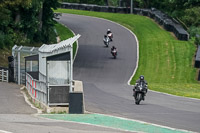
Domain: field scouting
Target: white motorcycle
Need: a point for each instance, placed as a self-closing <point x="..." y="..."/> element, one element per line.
<point x="107" y="39"/>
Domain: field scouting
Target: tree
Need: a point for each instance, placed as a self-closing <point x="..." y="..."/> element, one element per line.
<point x="24" y="21"/>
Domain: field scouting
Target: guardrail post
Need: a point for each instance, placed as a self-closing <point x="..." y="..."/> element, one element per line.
<point x="7" y="75"/>
<point x="131" y="7"/>
<point x="2" y="75"/>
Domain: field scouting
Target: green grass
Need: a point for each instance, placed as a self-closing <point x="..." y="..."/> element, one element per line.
<point x="166" y="62"/>
<point x="64" y="33"/>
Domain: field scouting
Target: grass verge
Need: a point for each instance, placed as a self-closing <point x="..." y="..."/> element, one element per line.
<point x="166" y="62"/>
<point x="65" y="33"/>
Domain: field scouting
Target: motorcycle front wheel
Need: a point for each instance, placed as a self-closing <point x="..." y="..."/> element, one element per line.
<point x="138" y="98"/>
<point x="107" y="44"/>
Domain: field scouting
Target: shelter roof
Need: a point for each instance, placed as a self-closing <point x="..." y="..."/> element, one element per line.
<point x="60" y="45"/>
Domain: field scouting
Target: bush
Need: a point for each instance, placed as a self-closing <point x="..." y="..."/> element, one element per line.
<point x="48" y="35"/>
<point x="191" y="16"/>
<point x="20" y="39"/>
<point x="1" y="40"/>
<point x="195" y="33"/>
<point x="197" y="39"/>
<point x="6" y="40"/>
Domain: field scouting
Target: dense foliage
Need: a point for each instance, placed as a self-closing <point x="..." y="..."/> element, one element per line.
<point x="26" y="21"/>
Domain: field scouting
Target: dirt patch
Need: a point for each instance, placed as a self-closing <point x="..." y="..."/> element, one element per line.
<point x="4" y="57"/>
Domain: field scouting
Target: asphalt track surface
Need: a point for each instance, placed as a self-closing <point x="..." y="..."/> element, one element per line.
<point x="106" y="90"/>
<point x="16" y="116"/>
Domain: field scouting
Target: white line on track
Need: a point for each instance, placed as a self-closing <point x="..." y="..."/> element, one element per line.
<point x="3" y="131"/>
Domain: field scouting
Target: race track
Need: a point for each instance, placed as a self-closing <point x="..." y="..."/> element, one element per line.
<point x="105" y="79"/>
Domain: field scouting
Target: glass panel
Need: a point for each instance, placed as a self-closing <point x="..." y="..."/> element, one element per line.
<point x="35" y="66"/>
<point x="58" y="72"/>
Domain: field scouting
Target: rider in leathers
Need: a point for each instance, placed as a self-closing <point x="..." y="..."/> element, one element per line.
<point x="109" y="32"/>
<point x="140" y="80"/>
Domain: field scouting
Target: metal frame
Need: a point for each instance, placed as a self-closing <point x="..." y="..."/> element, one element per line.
<point x="70" y="61"/>
<point x="17" y="50"/>
<point x="45" y="51"/>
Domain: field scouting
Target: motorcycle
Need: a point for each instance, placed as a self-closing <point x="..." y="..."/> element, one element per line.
<point x="140" y="92"/>
<point x="114" y="53"/>
<point x="106" y="40"/>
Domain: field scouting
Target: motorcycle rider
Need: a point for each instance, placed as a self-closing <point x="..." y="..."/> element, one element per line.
<point x="140" y="81"/>
<point x="109" y="34"/>
<point x="113" y="48"/>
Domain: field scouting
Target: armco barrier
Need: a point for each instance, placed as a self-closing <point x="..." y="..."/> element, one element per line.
<point x="162" y="19"/>
<point x="198" y="76"/>
<point x="197" y="59"/>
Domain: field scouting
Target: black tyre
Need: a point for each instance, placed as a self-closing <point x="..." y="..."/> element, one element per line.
<point x="107" y="44"/>
<point x="138" y="98"/>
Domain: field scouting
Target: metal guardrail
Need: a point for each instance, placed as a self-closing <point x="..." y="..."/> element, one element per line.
<point x="4" y="75"/>
<point x="37" y="89"/>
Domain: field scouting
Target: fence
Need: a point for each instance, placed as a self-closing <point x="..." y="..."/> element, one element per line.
<point x="37" y="89"/>
<point x="4" y="75"/>
<point x="47" y="94"/>
<point x="19" y="52"/>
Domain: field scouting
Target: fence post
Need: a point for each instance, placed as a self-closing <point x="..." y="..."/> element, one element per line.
<point x="2" y="73"/>
<point x="7" y="75"/>
<point x="18" y="68"/>
<point x="131" y="7"/>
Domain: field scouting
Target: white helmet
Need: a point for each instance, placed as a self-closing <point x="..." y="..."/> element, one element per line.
<point x="108" y="30"/>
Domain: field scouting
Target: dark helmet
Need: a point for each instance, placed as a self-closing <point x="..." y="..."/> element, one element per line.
<point x="141" y="77"/>
<point x="113" y="47"/>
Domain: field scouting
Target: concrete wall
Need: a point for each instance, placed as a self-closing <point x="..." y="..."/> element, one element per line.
<point x="76" y="99"/>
